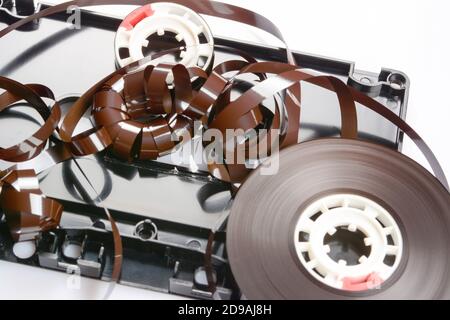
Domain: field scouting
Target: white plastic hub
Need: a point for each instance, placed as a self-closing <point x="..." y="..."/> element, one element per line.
<point x="72" y="250"/>
<point x="160" y="18"/>
<point x="24" y="249"/>
<point x="354" y="213"/>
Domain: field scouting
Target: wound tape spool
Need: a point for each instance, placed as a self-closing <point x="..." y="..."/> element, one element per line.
<point x="358" y="186"/>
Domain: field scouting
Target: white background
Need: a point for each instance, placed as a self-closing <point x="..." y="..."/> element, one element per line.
<point x="410" y="36"/>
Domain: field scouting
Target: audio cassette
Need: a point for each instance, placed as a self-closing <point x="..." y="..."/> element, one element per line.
<point x="116" y="162"/>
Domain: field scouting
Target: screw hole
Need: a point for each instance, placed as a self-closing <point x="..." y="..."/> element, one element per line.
<point x="397" y="81"/>
<point x="146" y="230"/>
<point x="365" y="80"/>
<point x="194" y="244"/>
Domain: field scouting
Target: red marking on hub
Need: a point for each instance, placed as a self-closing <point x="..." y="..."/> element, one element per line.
<point x="371" y="281"/>
<point x="137" y="16"/>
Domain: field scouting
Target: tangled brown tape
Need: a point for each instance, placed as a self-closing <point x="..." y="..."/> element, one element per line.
<point x="196" y="95"/>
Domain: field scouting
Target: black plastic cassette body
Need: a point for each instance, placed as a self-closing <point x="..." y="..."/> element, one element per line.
<point x="164" y="212"/>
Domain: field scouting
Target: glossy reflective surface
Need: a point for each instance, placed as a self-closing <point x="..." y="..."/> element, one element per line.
<point x="84" y="56"/>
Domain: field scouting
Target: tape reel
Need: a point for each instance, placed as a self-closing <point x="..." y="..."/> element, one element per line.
<point x="290" y="235"/>
<point x="187" y="27"/>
